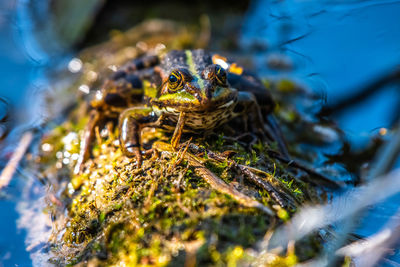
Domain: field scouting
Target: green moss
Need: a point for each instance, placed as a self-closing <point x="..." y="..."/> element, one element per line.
<point x="153" y="215"/>
<point x="165" y="213"/>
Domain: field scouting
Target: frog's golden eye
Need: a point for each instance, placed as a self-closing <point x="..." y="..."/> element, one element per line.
<point x="175" y="81"/>
<point x="216" y="74"/>
<point x="220" y="75"/>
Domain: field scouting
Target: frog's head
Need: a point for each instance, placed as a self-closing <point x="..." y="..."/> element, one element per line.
<point x="185" y="90"/>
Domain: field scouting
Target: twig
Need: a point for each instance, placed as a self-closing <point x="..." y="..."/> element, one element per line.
<point x="286" y="192"/>
<point x="26" y="139"/>
<point x="9" y="170"/>
<point x="275" y="195"/>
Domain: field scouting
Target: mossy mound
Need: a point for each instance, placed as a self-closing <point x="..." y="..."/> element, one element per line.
<point x="163" y="212"/>
<point x="166" y="213"/>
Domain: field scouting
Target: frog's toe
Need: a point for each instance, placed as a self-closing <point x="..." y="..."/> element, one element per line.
<point x="133" y="151"/>
<point x="139" y="162"/>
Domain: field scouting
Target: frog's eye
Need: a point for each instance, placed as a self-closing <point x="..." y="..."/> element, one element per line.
<point x="220" y="75"/>
<point x="216" y="74"/>
<point x="175" y="81"/>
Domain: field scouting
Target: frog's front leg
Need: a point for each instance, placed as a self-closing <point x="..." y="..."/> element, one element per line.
<point x="178" y="130"/>
<point x="131" y="123"/>
<point x="247" y="104"/>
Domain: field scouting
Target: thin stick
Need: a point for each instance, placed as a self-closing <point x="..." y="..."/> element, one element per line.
<point x="275" y="195"/>
<point x="218" y="184"/>
<point x="9" y="170"/>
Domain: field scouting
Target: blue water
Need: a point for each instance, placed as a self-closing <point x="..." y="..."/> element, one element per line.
<point x="336" y="47"/>
<point x="15" y="65"/>
<point x="16" y="74"/>
<point x="12" y="245"/>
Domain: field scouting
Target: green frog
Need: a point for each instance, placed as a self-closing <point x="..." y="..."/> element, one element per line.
<point x="191" y="91"/>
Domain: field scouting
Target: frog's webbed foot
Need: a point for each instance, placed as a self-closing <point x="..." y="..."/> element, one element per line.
<point x="247" y="104"/>
<point x="131" y="122"/>
<point x="88" y="135"/>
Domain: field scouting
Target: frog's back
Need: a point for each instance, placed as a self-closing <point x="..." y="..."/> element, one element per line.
<point x="194" y="60"/>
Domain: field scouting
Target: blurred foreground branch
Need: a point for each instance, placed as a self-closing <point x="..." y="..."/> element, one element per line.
<point x="311" y="219"/>
<point x="382" y="164"/>
<point x="370" y="251"/>
<point x="9" y="170"/>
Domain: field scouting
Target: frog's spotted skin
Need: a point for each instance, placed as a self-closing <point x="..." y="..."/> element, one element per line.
<point x="186" y="91"/>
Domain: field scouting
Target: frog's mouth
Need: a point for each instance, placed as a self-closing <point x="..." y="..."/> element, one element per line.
<point x="217" y="99"/>
<point x="211" y="96"/>
<point x="196" y="100"/>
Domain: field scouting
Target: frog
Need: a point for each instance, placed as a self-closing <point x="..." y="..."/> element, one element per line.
<point x="184" y="91"/>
